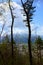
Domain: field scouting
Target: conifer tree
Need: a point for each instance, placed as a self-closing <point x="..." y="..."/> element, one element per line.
<point x="29" y="10"/>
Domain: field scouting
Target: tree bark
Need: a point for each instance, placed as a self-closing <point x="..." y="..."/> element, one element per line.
<point x="29" y="40"/>
<point x="29" y="45"/>
<point x="12" y="32"/>
<point x="12" y="42"/>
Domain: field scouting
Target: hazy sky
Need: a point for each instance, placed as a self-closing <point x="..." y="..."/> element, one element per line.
<point x="37" y="19"/>
<point x="38" y="15"/>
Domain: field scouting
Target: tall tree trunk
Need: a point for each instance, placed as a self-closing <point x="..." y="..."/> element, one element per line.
<point x="12" y="38"/>
<point x="29" y="44"/>
<point x="29" y="40"/>
<point x="12" y="42"/>
<point x="11" y="31"/>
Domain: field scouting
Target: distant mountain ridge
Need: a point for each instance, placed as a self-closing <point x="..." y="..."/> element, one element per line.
<point x="22" y="38"/>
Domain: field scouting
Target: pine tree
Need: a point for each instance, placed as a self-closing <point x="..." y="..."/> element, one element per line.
<point x="29" y="10"/>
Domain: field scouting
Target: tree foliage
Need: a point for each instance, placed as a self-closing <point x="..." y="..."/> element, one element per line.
<point x="29" y="10"/>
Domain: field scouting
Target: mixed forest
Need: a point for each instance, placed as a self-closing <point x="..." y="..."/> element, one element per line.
<point x="12" y="53"/>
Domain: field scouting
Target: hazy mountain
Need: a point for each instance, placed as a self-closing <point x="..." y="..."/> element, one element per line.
<point x="21" y="38"/>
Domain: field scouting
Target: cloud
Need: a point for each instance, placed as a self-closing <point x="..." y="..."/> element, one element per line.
<point x="40" y="30"/>
<point x="37" y="29"/>
<point x="4" y="33"/>
<point x="38" y="4"/>
<point x="20" y="31"/>
<point x="19" y="25"/>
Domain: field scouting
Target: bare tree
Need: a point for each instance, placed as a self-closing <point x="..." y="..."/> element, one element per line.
<point x="1" y="14"/>
<point x="12" y="16"/>
<point x="2" y="10"/>
<point x="29" y="10"/>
